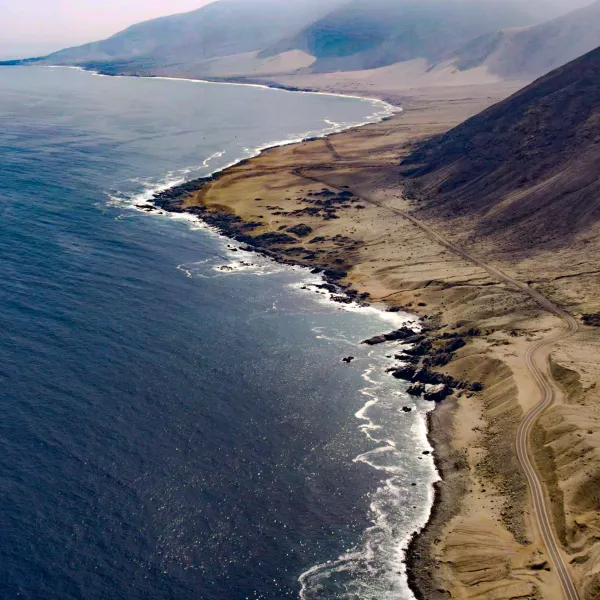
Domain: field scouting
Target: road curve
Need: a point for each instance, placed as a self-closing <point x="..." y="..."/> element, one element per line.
<point x="535" y="355"/>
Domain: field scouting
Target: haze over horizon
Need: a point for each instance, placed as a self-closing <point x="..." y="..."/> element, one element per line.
<point x="39" y="27"/>
<point x="35" y="27"/>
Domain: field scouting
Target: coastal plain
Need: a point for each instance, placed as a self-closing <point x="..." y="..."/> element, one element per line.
<point x="343" y="204"/>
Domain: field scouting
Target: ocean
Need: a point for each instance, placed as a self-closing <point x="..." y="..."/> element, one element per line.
<point x="177" y="421"/>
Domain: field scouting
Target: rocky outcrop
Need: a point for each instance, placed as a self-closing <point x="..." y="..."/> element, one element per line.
<point x="406" y="372"/>
<point x="301" y="230"/>
<point x="592" y="320"/>
<point x="437" y="393"/>
<point x="404" y="333"/>
<point x="416" y="389"/>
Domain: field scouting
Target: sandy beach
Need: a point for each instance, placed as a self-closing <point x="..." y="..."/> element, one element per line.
<point x="341" y="205"/>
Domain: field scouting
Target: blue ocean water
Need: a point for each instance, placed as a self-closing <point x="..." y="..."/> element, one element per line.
<point x="172" y="428"/>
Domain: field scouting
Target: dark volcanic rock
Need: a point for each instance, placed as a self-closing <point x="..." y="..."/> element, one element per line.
<point x="335" y="274"/>
<point x="250" y="225"/>
<point x="421" y="349"/>
<point x="592" y="320"/>
<point x="342" y="299"/>
<point x="424" y="375"/>
<point x="416" y="389"/>
<point x="437" y="393"/>
<point x="348" y="359"/>
<point x="407" y="372"/>
<point x="404" y="333"/>
<point x="456" y="344"/>
<point x="438" y="360"/>
<point x="327" y="286"/>
<point x="412" y="360"/>
<point x="300" y="230"/>
<point x="273" y="239"/>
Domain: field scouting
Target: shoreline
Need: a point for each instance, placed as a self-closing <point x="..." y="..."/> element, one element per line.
<point x="418" y="558"/>
<point x="325" y="203"/>
<point x="326" y="179"/>
<point x="344" y="293"/>
<point x="260" y="84"/>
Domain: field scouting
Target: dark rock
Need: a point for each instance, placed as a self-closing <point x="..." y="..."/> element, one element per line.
<point x="407" y="372"/>
<point x="407" y="409"/>
<point x="412" y="360"/>
<point x="592" y="319"/>
<point x="404" y="333"/>
<point x="420" y="349"/>
<point x="300" y="230"/>
<point x="348" y="360"/>
<point x="273" y="239"/>
<point x="437" y="393"/>
<point x="342" y="299"/>
<point x="454" y="345"/>
<point x="327" y="286"/>
<point x="424" y="375"/>
<point x="476" y="387"/>
<point x="335" y="274"/>
<point x="416" y="389"/>
<point x="438" y="360"/>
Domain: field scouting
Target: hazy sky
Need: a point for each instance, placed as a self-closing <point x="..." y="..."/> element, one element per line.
<point x="40" y="26"/>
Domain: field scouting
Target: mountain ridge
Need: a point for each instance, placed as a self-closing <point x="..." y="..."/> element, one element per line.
<point x="492" y="40"/>
<point x="528" y="168"/>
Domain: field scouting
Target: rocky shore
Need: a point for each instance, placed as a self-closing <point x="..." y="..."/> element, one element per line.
<point x="425" y="349"/>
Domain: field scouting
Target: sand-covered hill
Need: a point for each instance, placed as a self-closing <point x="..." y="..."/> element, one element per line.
<point x="527" y="170"/>
<point x="367" y="34"/>
<point x="250" y="38"/>
<point x="223" y="28"/>
<point x="526" y="53"/>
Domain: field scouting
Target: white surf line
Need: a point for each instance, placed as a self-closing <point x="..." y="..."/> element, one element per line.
<point x="390" y="108"/>
<point x="147" y="194"/>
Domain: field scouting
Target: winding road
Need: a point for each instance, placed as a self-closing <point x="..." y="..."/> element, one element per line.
<point x="536" y="360"/>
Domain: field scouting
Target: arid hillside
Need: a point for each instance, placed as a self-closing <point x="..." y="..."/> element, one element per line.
<point x="527" y="170"/>
<point x="526" y="53"/>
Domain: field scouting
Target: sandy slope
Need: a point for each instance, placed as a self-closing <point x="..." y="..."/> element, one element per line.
<point x="483" y="541"/>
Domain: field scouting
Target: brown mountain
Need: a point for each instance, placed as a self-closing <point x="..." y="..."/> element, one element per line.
<point x="525" y="171"/>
